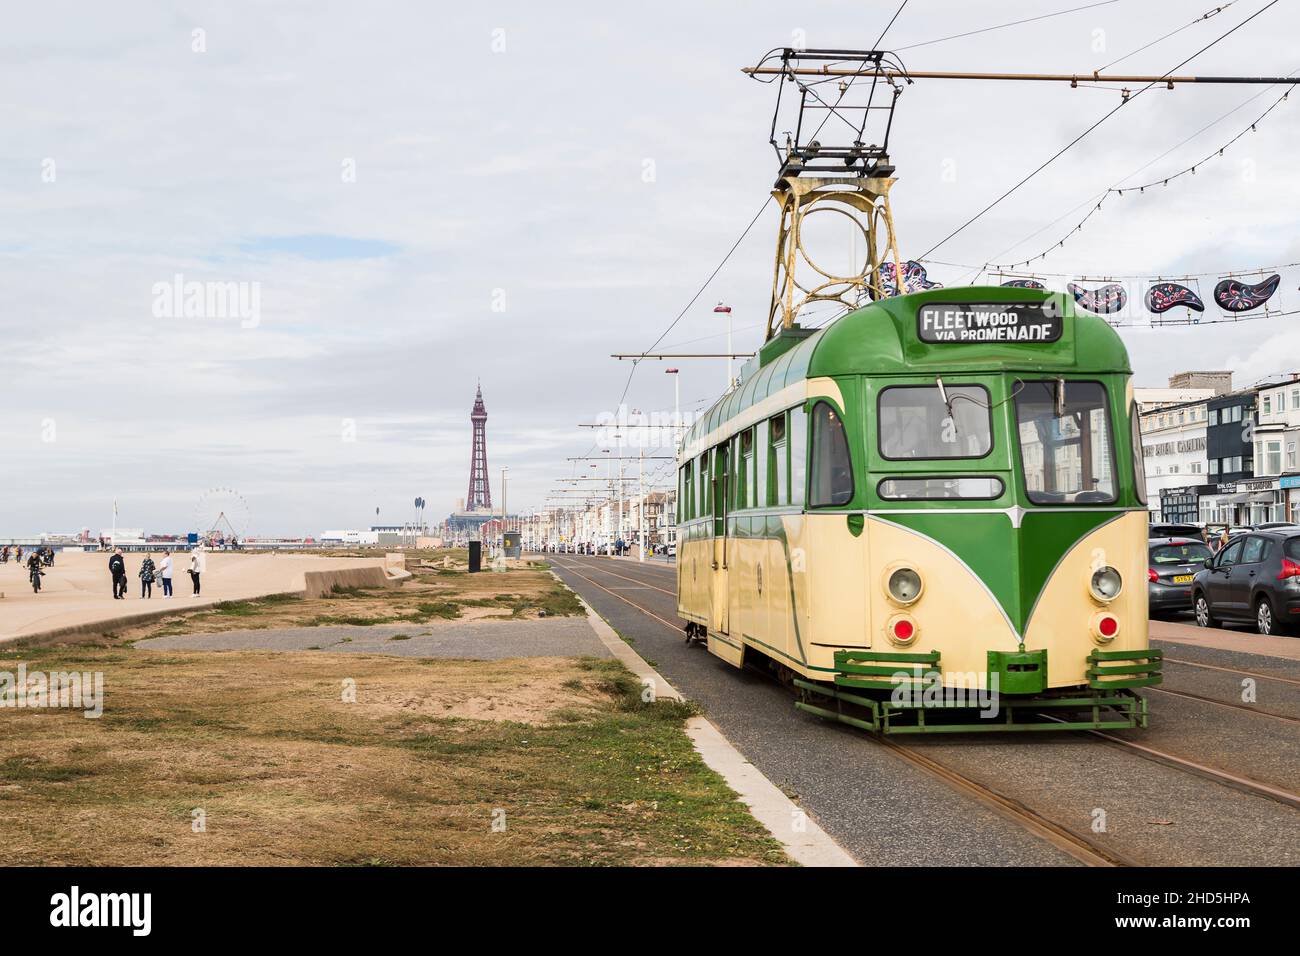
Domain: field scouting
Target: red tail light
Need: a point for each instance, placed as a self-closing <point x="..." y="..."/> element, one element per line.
<point x="1108" y="626"/>
<point x="1289" y="570"/>
<point x="903" y="629"/>
<point x="1152" y="576"/>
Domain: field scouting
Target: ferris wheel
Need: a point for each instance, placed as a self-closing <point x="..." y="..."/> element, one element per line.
<point x="222" y="516"/>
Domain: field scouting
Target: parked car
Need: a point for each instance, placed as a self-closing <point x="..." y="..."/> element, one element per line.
<point x="1255" y="579"/>
<point x="1172" y="566"/>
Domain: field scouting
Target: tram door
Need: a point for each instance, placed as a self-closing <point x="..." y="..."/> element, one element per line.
<point x="718" y="583"/>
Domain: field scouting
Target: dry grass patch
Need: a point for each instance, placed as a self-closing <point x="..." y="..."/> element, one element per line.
<point x="287" y="772"/>
<point x="432" y="594"/>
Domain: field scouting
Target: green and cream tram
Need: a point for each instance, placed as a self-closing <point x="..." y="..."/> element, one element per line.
<point x="932" y="502"/>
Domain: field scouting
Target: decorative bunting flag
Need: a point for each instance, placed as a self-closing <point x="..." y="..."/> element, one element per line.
<point x="1234" y="295"/>
<point x="1104" y="300"/>
<point x="1164" y="296"/>
<point x="914" y="278"/>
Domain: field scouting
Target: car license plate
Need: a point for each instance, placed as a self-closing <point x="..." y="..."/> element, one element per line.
<point x="1183" y="578"/>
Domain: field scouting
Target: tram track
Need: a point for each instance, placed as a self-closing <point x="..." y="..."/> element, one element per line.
<point x="1068" y="840"/>
<point x="1064" y="838"/>
<point x="1233" y="670"/>
<point x="1218" y="775"/>
<point x="1246" y="708"/>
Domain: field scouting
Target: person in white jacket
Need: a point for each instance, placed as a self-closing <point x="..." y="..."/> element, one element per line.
<point x="165" y="572"/>
<point x="198" y="564"/>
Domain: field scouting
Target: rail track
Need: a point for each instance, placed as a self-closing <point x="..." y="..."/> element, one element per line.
<point x="1233" y="670"/>
<point x="1077" y="845"/>
<point x="1225" y="703"/>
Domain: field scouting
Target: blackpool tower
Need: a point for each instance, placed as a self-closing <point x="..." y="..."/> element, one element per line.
<point x="480" y="493"/>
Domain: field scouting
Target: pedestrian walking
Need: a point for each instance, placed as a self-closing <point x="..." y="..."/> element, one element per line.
<point x="198" y="564"/>
<point x="117" y="568"/>
<point x="165" y="569"/>
<point x="147" y="569"/>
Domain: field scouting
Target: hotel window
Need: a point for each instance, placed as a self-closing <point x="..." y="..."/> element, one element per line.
<point x="1281" y="401"/>
<point x="1290" y="456"/>
<point x="1214" y="466"/>
<point x="1268" y="405"/>
<point x="1273" y="458"/>
<point x="1214" y="416"/>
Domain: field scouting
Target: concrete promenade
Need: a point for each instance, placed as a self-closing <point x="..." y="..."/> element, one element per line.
<point x="77" y="590"/>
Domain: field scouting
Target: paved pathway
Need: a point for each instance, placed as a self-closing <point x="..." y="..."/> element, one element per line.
<point x="1245" y="642"/>
<point x="465" y="640"/>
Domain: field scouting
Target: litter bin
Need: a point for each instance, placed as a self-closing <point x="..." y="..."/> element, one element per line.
<point x="475" y="556"/>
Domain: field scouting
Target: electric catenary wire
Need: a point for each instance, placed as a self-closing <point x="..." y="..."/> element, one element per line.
<point x="1204" y="16"/>
<point x="1064" y="149"/>
<point x="1013" y="23"/>
<point x="1117" y="190"/>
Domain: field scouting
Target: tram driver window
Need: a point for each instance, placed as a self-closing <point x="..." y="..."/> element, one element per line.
<point x="916" y="423"/>
<point x="1066" y="458"/>
<point x="832" y="469"/>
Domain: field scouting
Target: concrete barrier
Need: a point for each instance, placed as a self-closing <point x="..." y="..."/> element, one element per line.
<point x="320" y="583"/>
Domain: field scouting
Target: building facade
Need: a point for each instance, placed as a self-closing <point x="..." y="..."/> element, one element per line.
<point x="1231" y="461"/>
<point x="1174" y="453"/>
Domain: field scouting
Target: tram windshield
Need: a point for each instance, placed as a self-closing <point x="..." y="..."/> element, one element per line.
<point x="927" y="422"/>
<point x="1066" y="457"/>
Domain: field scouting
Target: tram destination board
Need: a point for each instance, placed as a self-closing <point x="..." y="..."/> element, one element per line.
<point x="989" y="322"/>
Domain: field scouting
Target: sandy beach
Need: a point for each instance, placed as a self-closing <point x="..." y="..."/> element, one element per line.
<point x="77" y="589"/>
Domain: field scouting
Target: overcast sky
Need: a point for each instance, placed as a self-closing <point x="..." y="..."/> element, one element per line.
<point x="428" y="195"/>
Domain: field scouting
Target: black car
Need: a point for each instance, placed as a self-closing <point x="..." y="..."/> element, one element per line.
<point x="1172" y="565"/>
<point x="1255" y="579"/>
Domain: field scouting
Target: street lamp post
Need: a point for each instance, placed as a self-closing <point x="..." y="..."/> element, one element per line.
<point x="505" y="521"/>
<point x="677" y="404"/>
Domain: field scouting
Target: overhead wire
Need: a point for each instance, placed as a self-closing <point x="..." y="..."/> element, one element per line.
<point x="1068" y="146"/>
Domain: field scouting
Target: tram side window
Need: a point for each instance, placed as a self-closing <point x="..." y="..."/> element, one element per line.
<point x="778" y="463"/>
<point x="1139" y="463"/>
<point x="745" y="470"/>
<point x="721" y="478"/>
<point x="832" y="468"/>
<point x="1066" y="458"/>
<point x="687" y="493"/>
<point x="798" y="437"/>
<point x="703" y="503"/>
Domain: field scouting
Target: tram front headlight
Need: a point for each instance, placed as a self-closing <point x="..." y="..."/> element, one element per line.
<point x="904" y="585"/>
<point x="1105" y="584"/>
